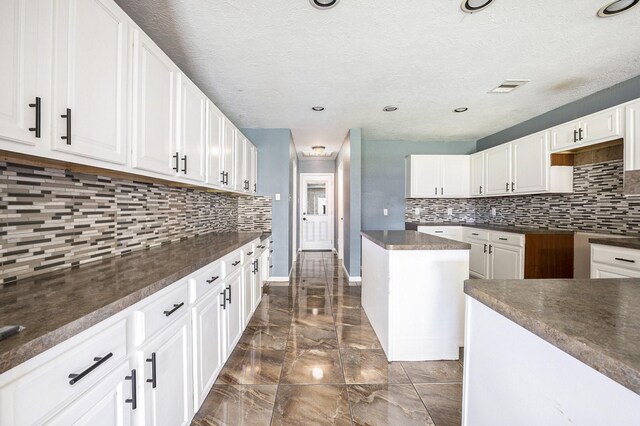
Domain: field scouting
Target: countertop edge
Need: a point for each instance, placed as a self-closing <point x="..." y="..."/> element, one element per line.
<point x="629" y="243"/>
<point x="583" y="352"/>
<point x="412" y="247"/>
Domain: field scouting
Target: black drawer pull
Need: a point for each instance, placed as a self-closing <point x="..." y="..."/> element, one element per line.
<point x="503" y="239"/>
<point x="67" y="137"/>
<point x="480" y="189"/>
<point x="580" y="134"/>
<point x="212" y="280"/>
<point x="439" y="232"/>
<point x="249" y="253"/>
<point x="229" y="297"/>
<point x="222" y="178"/>
<point x="236" y="263"/>
<point x="152" y="380"/>
<point x="184" y="159"/>
<point x="255" y="187"/>
<point x="176" y="306"/>
<point x="625" y="260"/>
<point x="473" y="233"/>
<point x="226" y="178"/>
<point x="176" y="157"/>
<point x="575" y="136"/>
<point x="134" y="396"/>
<point x="75" y="378"/>
<point x="270" y="266"/>
<point x="490" y="249"/>
<point x="38" y="107"/>
<point x="271" y="251"/>
<point x="485" y="248"/>
<point x="224" y="299"/>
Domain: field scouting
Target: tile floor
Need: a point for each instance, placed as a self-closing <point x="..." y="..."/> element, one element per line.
<point x="310" y="357"/>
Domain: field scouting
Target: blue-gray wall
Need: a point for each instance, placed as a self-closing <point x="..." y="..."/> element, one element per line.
<point x="383" y="178"/>
<point x="293" y="176"/>
<point x="274" y="176"/>
<point x="316" y="166"/>
<point x="620" y="93"/>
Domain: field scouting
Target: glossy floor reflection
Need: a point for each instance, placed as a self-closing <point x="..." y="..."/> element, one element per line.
<point x="310" y="357"/>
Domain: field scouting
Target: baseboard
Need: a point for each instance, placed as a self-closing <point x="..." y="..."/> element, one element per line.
<point x="278" y="279"/>
<point x="351" y="279"/>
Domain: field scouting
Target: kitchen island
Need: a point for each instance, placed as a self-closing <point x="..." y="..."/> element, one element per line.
<point x="412" y="293"/>
<point x="552" y="352"/>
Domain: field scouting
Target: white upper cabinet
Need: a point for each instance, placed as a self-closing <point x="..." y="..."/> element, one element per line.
<point x="25" y="74"/>
<point x="90" y="76"/>
<point x="254" y="169"/>
<point x="423" y="176"/>
<point x="632" y="137"/>
<point x="248" y="166"/>
<point x="192" y="135"/>
<point x="215" y="145"/>
<point x="240" y="182"/>
<point x="595" y="128"/>
<point x="477" y="174"/>
<point x="531" y="163"/>
<point x="229" y="153"/>
<point x="154" y="103"/>
<point x="498" y="171"/>
<point x="454" y="176"/>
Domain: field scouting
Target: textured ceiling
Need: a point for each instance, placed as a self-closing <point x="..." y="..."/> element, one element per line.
<point x="266" y="63"/>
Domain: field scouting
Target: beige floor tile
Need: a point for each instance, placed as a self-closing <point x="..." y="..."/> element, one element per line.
<point x="312" y="405"/>
<point x="386" y="405"/>
<point x="357" y="337"/>
<point x="252" y="367"/>
<point x="237" y="405"/>
<point x="269" y="337"/>
<point x="434" y="371"/>
<point x="312" y="366"/>
<point x="443" y="401"/>
<point x="312" y="337"/>
<point x="370" y="366"/>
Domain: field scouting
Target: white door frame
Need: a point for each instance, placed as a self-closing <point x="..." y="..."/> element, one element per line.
<point x="294" y="243"/>
<point x="340" y="221"/>
<point x="329" y="178"/>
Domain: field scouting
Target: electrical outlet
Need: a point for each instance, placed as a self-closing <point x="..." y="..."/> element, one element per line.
<point x="450" y="211"/>
<point x="493" y="212"/>
<point x="416" y="211"/>
<point x="385" y="212"/>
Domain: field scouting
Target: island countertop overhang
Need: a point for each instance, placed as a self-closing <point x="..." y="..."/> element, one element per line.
<point x="412" y="240"/>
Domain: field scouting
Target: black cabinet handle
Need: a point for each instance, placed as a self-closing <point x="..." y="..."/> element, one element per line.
<point x="75" y="378"/>
<point x="153" y="379"/>
<point x="67" y="137"/>
<point x="480" y="189"/>
<point x="473" y="233"/>
<point x="224" y="299"/>
<point x="229" y="297"/>
<point x="507" y="186"/>
<point x="436" y="190"/>
<point x="270" y="251"/>
<point x="226" y="178"/>
<point x="38" y="107"/>
<point x="270" y="266"/>
<point x="490" y="249"/>
<point x="441" y="191"/>
<point x="503" y="239"/>
<point x="246" y="185"/>
<point x="625" y="260"/>
<point x="176" y="158"/>
<point x="575" y="136"/>
<point x="176" y="306"/>
<point x="485" y="248"/>
<point x="184" y="160"/>
<point x="222" y="178"/>
<point x="134" y="395"/>
<point x="255" y="271"/>
<point x="249" y="253"/>
<point x="513" y="186"/>
<point x="580" y="134"/>
<point x="212" y="279"/>
<point x="236" y="263"/>
<point x="439" y="232"/>
<point x="255" y="187"/>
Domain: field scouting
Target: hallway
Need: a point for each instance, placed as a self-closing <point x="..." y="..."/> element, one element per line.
<point x="310" y="357"/>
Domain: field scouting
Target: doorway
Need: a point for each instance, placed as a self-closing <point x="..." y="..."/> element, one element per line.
<point x="316" y="208"/>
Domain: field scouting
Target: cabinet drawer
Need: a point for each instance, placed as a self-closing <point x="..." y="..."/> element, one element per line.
<point x="451" y="232"/>
<point x="164" y="309"/>
<point x="507" y="238"/>
<point x="208" y="278"/>
<point x="476" y="234"/>
<point x="618" y="256"/>
<point x="233" y="262"/>
<point x="45" y="390"/>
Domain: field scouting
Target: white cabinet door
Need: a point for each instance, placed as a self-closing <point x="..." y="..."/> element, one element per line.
<point x="454" y="176"/>
<point x="109" y="403"/>
<point x="25" y="73"/>
<point x="154" y="103"/>
<point x="498" y="170"/>
<point x="632" y="137"/>
<point x="215" y="145"/>
<point x="254" y="169"/>
<point x="531" y="163"/>
<point x="602" y="126"/>
<point x="564" y="136"/>
<point x="168" y="376"/>
<point x="248" y="160"/>
<point x="192" y="124"/>
<point x="241" y="183"/>
<point x="257" y="281"/>
<point x="91" y="71"/>
<point x="599" y="270"/>
<point x="247" y="294"/>
<point x="208" y="343"/>
<point x="507" y="262"/>
<point x="229" y="153"/>
<point x="425" y="176"/>
<point x="233" y="293"/>
<point x="478" y="260"/>
<point x="477" y="174"/>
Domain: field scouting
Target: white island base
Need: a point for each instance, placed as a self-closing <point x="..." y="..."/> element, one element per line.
<point x="414" y="300"/>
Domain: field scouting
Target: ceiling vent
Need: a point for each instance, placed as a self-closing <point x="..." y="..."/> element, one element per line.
<point x="509" y="86"/>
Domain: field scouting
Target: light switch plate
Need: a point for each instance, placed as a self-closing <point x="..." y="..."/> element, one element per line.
<point x="385" y="212"/>
<point x="493" y="211"/>
<point x="416" y="211"/>
<point x="277" y="196"/>
<point x="450" y="211"/>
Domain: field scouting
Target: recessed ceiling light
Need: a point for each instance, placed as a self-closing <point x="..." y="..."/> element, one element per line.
<point x="471" y="6"/>
<point x="323" y="4"/>
<point x="616" y="7"/>
<point x="461" y="109"/>
<point x="390" y="108"/>
<point x="318" y="108"/>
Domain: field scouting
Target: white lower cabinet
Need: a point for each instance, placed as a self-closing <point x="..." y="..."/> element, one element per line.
<point x="614" y="262"/>
<point x="478" y="260"/>
<point x="506" y="262"/>
<point x="495" y="255"/>
<point x="233" y="306"/>
<point x="247" y="296"/>
<point x="450" y="232"/>
<point x="168" y="393"/>
<point x="257" y="280"/>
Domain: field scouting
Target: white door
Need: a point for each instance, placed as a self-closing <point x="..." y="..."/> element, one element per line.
<point x="564" y="136"/>
<point x="477" y="174"/>
<point x="228" y="153"/>
<point x="25" y="72"/>
<point x="425" y="176"/>
<point x="233" y="310"/>
<point x="154" y="104"/>
<point x="478" y="264"/>
<point x="603" y="126"/>
<point x="169" y="392"/>
<point x="340" y="211"/>
<point x="531" y="163"/>
<point x="91" y="71"/>
<point x="215" y="145"/>
<point x="454" y="176"/>
<point x="506" y="262"/>
<point x="208" y="342"/>
<point x="247" y="293"/>
<point x="498" y="171"/>
<point x="193" y="108"/>
<point x="109" y="403"/>
<point x="317" y="211"/>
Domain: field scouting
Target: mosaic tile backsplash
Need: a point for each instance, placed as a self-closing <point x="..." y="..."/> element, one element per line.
<point x="597" y="205"/>
<point x="254" y="214"/>
<point x="52" y="218"/>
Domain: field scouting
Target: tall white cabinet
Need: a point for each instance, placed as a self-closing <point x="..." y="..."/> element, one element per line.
<point x="437" y="176"/>
<point x="192" y="139"/>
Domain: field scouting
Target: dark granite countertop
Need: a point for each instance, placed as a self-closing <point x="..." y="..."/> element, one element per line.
<point x="489" y="227"/>
<point x="595" y="321"/>
<point x="412" y="240"/>
<point x="58" y="305"/>
<point x="265" y="235"/>
<point x="632" y="243"/>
